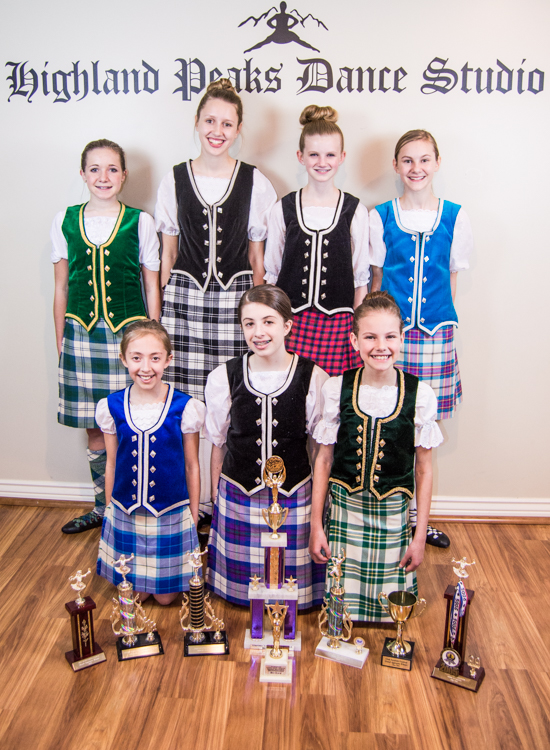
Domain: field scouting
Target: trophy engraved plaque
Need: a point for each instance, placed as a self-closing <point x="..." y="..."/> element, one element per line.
<point x="273" y="588"/>
<point x="454" y="665"/>
<point x="203" y="630"/>
<point x="401" y="606"/>
<point x="138" y="636"/>
<point x="86" y="651"/>
<point x="335" y="623"/>
<point x="276" y="666"/>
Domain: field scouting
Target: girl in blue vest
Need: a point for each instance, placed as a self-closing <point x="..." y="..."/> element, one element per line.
<point x="318" y="248"/>
<point x="100" y="250"/>
<point x="377" y="431"/>
<point x="419" y="243"/>
<point x="152" y="480"/>
<point x="263" y="404"/>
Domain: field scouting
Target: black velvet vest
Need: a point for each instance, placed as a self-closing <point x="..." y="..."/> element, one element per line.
<point x="213" y="240"/>
<point x="267" y="425"/>
<point x="317" y="266"/>
<point x="383" y="464"/>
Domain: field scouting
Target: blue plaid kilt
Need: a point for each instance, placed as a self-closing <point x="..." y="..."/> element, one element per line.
<point x="325" y="340"/>
<point x="89" y="370"/>
<point x="158" y="546"/>
<point x="234" y="551"/>
<point x="433" y="359"/>
<point x="375" y="535"/>
<point x="204" y="329"/>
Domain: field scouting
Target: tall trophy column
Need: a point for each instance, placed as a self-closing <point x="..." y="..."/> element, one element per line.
<point x="335" y="623"/>
<point x="455" y="665"/>
<point x="85" y="651"/>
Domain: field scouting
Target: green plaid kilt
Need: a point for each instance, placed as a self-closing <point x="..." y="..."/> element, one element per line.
<point x="375" y="535"/>
<point x="89" y="370"/>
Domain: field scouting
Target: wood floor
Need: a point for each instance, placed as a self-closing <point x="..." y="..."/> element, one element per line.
<point x="171" y="702"/>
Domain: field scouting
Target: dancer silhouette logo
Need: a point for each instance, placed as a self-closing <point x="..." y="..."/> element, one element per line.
<point x="282" y="24"/>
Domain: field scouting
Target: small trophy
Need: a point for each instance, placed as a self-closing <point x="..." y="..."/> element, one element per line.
<point x="401" y="606"/>
<point x="273" y="587"/>
<point x="203" y="630"/>
<point x="335" y="623"/>
<point x="452" y="665"/>
<point x="133" y="643"/>
<point x="85" y="651"/>
<point x="276" y="666"/>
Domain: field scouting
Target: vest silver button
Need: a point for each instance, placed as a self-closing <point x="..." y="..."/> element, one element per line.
<point x="412" y="258"/>
<point x="322" y="296"/>
<point x="411" y="279"/>
<point x="410" y="299"/>
<point x="257" y="480"/>
<point x="408" y="320"/>
<point x="92" y="298"/>
<point x="107" y="252"/>
<point x="426" y="258"/>
<point x="219" y="260"/>
<point x="421" y="320"/>
<point x="425" y="279"/>
<point x="306" y="268"/>
<point x="423" y="299"/>
<point x="205" y="227"/>
<point x="258" y="441"/>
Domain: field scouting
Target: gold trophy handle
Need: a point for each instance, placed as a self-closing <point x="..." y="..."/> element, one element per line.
<point x="414" y="613"/>
<point x="385" y="607"/>
<point x="285" y="514"/>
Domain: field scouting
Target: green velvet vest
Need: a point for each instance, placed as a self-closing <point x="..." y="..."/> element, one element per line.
<point x="104" y="281"/>
<point x="383" y="463"/>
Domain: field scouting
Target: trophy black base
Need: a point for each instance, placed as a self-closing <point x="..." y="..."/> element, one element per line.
<point x="96" y="657"/>
<point x="460" y="676"/>
<point x="397" y="662"/>
<point x="208" y="647"/>
<point x="141" y="648"/>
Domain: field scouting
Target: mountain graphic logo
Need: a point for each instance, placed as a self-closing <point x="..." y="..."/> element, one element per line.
<point x="282" y="24"/>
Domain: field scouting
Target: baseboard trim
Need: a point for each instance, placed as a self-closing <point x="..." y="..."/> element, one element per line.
<point x="445" y="509"/>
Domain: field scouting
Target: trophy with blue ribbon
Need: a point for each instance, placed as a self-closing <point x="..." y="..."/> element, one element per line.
<point x="454" y="665"/>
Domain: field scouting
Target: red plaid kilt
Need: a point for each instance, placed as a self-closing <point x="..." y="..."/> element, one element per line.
<point x="324" y="339"/>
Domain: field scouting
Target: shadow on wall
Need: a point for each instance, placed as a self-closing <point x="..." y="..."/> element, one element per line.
<point x="139" y="190"/>
<point x="375" y="171"/>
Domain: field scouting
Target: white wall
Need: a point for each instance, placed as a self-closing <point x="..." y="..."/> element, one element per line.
<point x="495" y="163"/>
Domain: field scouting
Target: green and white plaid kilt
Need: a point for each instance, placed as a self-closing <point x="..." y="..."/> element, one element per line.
<point x="375" y="535"/>
<point x="89" y="370"/>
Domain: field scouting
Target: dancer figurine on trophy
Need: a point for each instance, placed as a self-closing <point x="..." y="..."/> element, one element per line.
<point x="452" y="665"/>
<point x="335" y="623"/>
<point x="203" y="630"/>
<point x="127" y="609"/>
<point x="85" y="651"/>
<point x="276" y="666"/>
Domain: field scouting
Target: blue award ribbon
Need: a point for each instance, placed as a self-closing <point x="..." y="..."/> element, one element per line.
<point x="460" y="601"/>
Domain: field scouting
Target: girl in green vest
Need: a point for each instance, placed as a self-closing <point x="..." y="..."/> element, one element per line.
<point x="100" y="250"/>
<point x="377" y="432"/>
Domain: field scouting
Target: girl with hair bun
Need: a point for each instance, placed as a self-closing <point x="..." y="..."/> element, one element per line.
<point x="212" y="212"/>
<point x="317" y="248"/>
<point x="376" y="434"/>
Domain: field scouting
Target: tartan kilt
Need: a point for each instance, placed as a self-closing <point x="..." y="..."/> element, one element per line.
<point x="324" y="339"/>
<point x="158" y="546"/>
<point x="89" y="370"/>
<point x="375" y="535"/>
<point x="434" y="360"/>
<point x="234" y="551"/>
<point x="204" y="329"/>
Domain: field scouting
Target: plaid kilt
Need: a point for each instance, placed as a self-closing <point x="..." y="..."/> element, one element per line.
<point x="203" y="327"/>
<point x="375" y="535"/>
<point x="158" y="545"/>
<point x="433" y="359"/>
<point x="234" y="551"/>
<point x="324" y="339"/>
<point x="89" y="370"/>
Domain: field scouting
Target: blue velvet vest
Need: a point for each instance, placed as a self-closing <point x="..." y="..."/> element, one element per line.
<point x="416" y="269"/>
<point x="150" y="465"/>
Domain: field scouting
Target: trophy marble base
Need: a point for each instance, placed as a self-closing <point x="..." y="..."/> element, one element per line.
<point x="460" y="677"/>
<point x="276" y="670"/>
<point x="397" y="662"/>
<point x="96" y="657"/>
<point x="141" y="648"/>
<point x="208" y="647"/>
<point x="267" y="641"/>
<point x="347" y="653"/>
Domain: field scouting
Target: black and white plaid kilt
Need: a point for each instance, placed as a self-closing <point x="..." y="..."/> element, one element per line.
<point x="203" y="327"/>
<point x="89" y="370"/>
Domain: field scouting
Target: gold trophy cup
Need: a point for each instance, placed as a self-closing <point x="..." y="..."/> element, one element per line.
<point x="401" y="606"/>
<point x="274" y="477"/>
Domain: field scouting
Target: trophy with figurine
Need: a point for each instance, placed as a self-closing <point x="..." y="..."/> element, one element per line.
<point x="86" y="651"/>
<point x="276" y="666"/>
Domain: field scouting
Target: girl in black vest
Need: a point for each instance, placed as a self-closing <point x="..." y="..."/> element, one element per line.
<point x="99" y="249"/>
<point x="263" y="404"/>
<point x="318" y="248"/>
<point x="376" y="436"/>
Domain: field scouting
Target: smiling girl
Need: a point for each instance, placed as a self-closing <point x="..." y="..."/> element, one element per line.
<point x="263" y="404"/>
<point x="100" y="248"/>
<point x="376" y="435"/>
<point x="317" y="248"/>
<point x="152" y="480"/>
